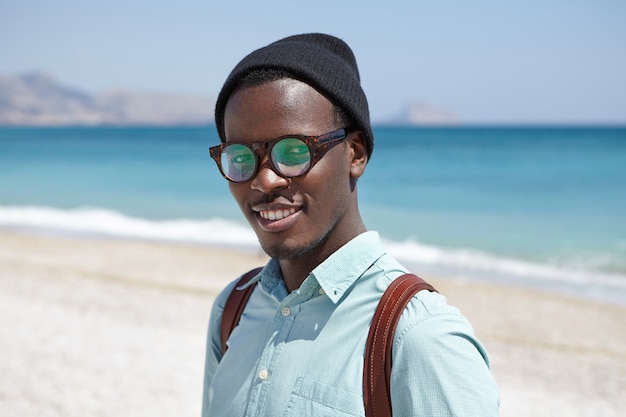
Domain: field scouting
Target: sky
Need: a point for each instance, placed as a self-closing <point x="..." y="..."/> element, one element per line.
<point x="487" y="61"/>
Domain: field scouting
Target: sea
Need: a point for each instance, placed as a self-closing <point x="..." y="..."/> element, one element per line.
<point x="541" y="207"/>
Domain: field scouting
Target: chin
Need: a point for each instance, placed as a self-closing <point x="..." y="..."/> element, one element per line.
<point x="289" y="251"/>
<point x="281" y="251"/>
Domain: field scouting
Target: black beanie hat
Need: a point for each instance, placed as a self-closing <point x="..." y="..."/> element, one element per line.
<point x="322" y="61"/>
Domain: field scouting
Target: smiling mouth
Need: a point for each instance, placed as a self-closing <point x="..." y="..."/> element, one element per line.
<point x="273" y="215"/>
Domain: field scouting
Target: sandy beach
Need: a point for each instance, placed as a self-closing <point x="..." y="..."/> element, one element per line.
<point x="103" y="327"/>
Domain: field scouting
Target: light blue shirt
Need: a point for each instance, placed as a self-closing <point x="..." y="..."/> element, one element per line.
<point x="301" y="354"/>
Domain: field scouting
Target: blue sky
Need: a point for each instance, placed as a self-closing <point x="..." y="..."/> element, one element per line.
<point x="530" y="61"/>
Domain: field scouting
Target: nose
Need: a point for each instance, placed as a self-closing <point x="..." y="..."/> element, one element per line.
<point x="266" y="180"/>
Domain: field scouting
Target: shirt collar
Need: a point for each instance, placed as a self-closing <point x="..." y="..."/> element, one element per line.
<point x="337" y="273"/>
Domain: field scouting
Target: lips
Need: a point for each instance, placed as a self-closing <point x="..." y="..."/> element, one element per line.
<point x="276" y="218"/>
<point x="276" y="214"/>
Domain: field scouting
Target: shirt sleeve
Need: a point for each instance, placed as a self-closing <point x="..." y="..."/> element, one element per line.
<point x="439" y="367"/>
<point x="213" y="354"/>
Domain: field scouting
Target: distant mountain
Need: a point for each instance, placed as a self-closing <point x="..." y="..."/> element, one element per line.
<point x="37" y="99"/>
<point x="422" y="114"/>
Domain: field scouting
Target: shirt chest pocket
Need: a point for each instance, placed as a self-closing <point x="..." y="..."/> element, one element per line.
<point x="310" y="398"/>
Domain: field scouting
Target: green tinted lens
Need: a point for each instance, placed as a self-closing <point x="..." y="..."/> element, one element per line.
<point x="291" y="156"/>
<point x="238" y="162"/>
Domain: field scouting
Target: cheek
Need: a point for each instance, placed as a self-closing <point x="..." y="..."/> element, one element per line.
<point x="331" y="177"/>
<point x="238" y="191"/>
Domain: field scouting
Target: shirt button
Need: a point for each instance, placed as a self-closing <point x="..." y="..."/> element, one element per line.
<point x="286" y="311"/>
<point x="322" y="292"/>
<point x="263" y="374"/>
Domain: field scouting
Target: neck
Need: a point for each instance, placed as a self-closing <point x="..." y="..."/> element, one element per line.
<point x="295" y="271"/>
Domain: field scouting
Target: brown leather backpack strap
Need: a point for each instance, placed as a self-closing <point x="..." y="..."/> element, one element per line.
<point x="377" y="367"/>
<point x="235" y="304"/>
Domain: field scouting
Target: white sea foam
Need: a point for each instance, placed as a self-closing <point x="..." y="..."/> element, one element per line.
<point x="476" y="260"/>
<point x="110" y="223"/>
<point x="469" y="262"/>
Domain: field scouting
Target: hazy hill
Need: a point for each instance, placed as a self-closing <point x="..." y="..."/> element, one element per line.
<point x="39" y="100"/>
<point x="423" y="114"/>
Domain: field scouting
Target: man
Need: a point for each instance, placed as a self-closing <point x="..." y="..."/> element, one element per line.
<point x="296" y="137"/>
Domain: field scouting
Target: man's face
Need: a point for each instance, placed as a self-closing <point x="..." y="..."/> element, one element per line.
<point x="292" y="217"/>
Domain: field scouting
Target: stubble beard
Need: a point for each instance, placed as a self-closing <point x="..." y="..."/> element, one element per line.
<point x="283" y="251"/>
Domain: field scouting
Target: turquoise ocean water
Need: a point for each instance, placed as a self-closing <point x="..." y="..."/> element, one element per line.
<point x="535" y="206"/>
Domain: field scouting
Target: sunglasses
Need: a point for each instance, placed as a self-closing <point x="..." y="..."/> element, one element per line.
<point x="289" y="156"/>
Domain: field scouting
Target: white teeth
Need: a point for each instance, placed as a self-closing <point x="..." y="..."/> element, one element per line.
<point x="276" y="214"/>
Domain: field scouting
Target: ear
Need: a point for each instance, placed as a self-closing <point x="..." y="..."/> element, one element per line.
<point x="358" y="154"/>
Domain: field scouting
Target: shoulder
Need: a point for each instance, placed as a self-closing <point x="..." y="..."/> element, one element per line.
<point x="436" y="352"/>
<point x="217" y="311"/>
<point x="239" y="283"/>
<point x="428" y="319"/>
<point x="430" y="325"/>
<point x="222" y="296"/>
<point x="431" y="309"/>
